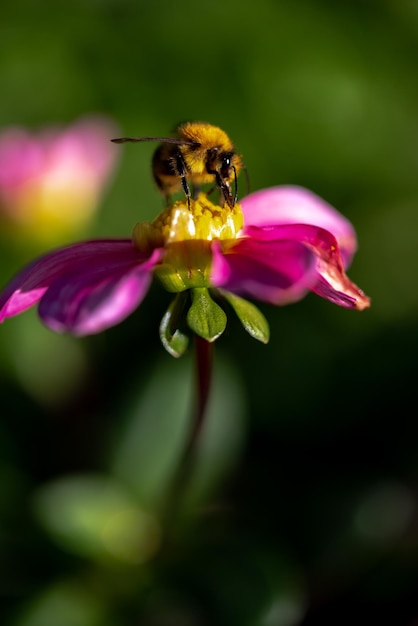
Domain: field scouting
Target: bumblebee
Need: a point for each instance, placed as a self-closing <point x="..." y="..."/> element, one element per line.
<point x="199" y="154"/>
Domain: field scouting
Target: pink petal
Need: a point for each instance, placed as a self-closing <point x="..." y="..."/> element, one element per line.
<point x="21" y="157"/>
<point x="332" y="283"/>
<point x="88" y="303"/>
<point x="292" y="205"/>
<point x="83" y="146"/>
<point x="276" y="271"/>
<point x="29" y="286"/>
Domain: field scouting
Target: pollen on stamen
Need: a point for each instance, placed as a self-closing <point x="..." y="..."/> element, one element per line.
<point x="203" y="221"/>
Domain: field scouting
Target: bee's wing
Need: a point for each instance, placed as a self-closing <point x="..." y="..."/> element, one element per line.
<point x="180" y="142"/>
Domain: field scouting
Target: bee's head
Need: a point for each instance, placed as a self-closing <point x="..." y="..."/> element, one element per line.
<point x="224" y="165"/>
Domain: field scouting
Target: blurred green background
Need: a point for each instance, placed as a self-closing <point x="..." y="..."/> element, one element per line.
<point x="302" y="507"/>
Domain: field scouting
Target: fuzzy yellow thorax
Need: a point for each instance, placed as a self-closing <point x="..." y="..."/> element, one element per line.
<point x="186" y="235"/>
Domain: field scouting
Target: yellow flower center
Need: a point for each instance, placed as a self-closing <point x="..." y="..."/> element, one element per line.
<point x="204" y="221"/>
<point x="186" y="235"/>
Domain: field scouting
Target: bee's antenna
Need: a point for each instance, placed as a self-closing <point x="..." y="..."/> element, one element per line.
<point x="180" y="142"/>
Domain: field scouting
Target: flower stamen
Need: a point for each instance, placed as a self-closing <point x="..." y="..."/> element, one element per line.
<point x="186" y="235"/>
<point x="204" y="221"/>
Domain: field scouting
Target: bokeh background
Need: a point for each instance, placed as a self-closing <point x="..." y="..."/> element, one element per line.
<point x="302" y="506"/>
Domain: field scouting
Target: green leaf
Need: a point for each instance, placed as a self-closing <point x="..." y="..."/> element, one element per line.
<point x="205" y="317"/>
<point x="65" y="603"/>
<point x="172" y="338"/>
<point x="154" y="430"/>
<point x="96" y="516"/>
<point x="250" y="317"/>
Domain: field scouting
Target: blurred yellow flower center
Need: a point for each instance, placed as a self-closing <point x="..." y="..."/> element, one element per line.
<point x="186" y="235"/>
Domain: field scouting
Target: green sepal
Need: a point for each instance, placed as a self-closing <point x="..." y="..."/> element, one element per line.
<point x="250" y="317"/>
<point x="172" y="338"/>
<point x="205" y="317"/>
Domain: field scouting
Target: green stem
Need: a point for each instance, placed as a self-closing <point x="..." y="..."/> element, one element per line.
<point x="204" y="363"/>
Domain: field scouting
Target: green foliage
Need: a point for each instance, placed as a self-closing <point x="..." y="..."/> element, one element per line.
<point x="174" y="340"/>
<point x="250" y="317"/>
<point x="206" y="318"/>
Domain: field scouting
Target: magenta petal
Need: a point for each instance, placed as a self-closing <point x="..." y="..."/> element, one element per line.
<point x="81" y="259"/>
<point x="332" y="283"/>
<point x="88" y="303"/>
<point x="278" y="271"/>
<point x="292" y="205"/>
<point x="30" y="284"/>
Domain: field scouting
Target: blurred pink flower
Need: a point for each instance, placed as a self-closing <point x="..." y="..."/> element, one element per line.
<point x="282" y="243"/>
<point x="51" y="182"/>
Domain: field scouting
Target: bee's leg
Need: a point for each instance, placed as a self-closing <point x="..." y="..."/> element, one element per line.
<point x="221" y="199"/>
<point x="181" y="171"/>
<point x="235" y="187"/>
<point x="225" y="189"/>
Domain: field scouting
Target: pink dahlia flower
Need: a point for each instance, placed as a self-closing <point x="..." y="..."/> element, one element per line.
<point x="278" y="245"/>
<point x="52" y="181"/>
